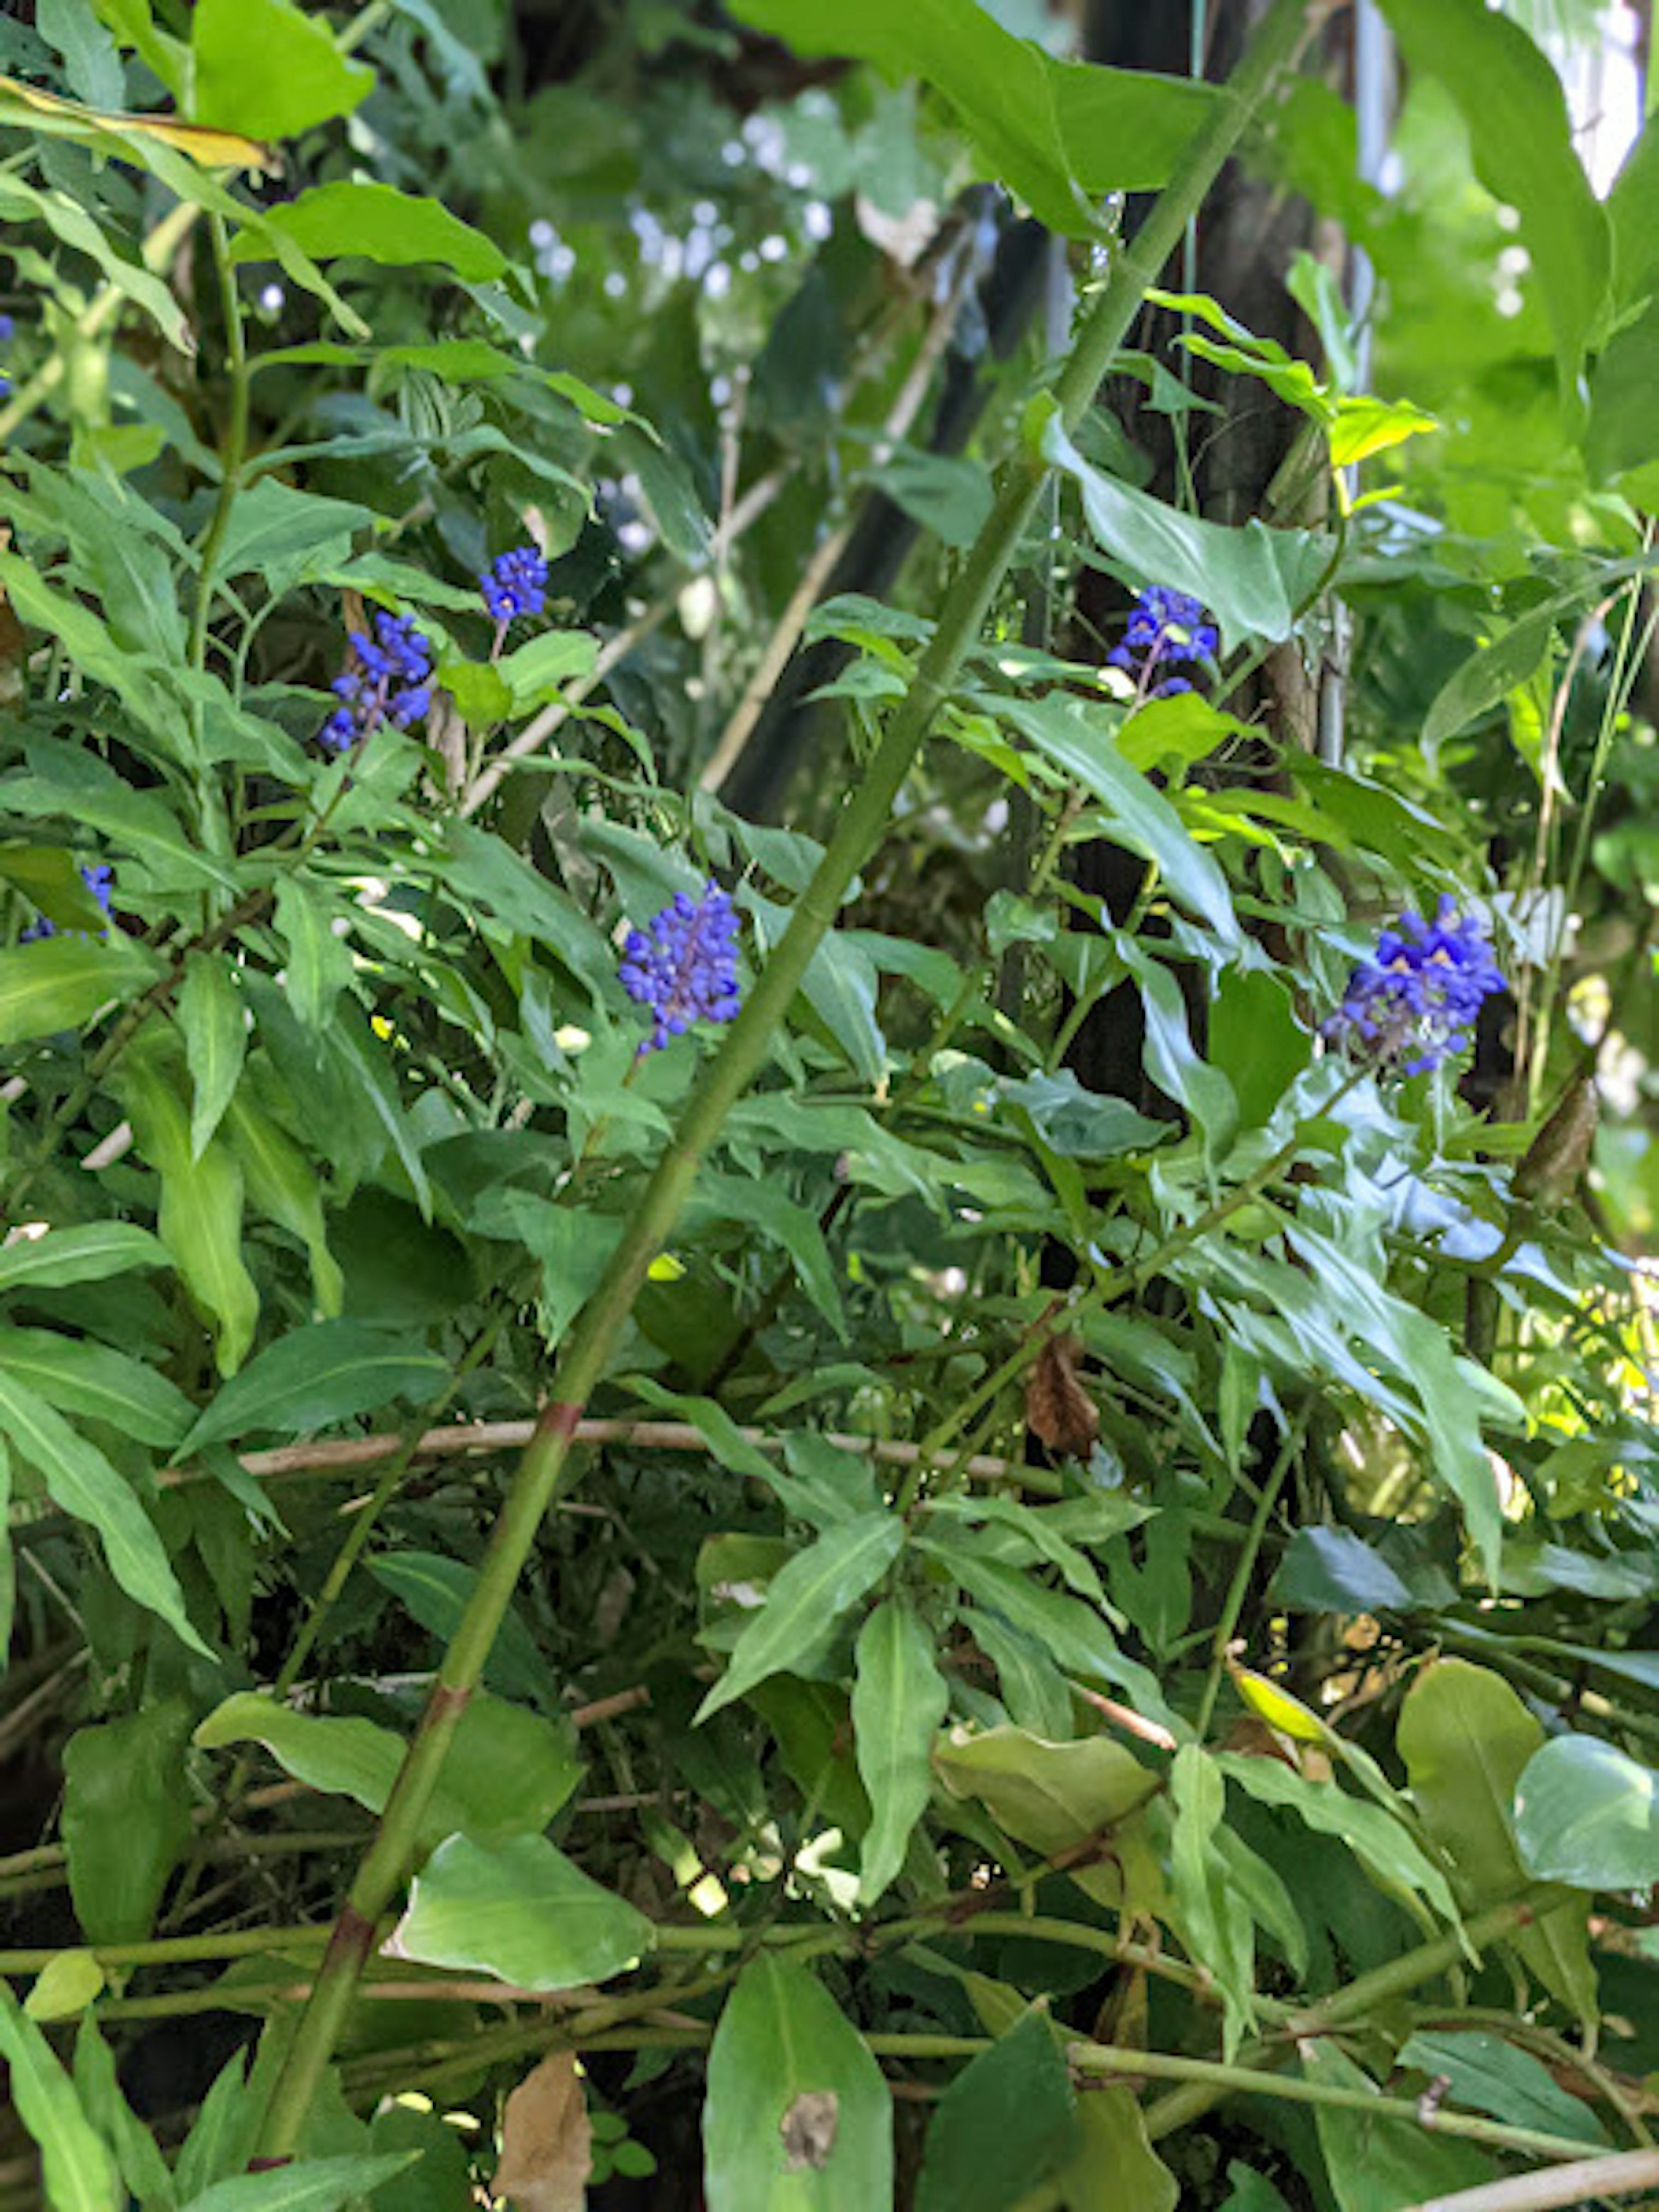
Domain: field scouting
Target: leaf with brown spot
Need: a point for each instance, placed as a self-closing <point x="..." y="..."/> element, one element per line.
<point x="1059" y="1411"/>
<point x="547" y="2152"/>
<point x="808" y="2129"/>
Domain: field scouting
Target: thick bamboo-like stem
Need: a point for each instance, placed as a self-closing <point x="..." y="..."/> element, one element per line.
<point x="546" y="1469"/>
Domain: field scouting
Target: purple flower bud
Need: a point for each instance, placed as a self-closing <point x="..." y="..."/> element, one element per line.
<point x="1166" y="630"/>
<point x="391" y="682"/>
<point x="684" y="969"/>
<point x="515" y="584"/>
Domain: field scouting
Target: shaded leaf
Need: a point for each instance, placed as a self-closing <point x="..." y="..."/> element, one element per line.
<point x="1382" y="2164"/>
<point x="214" y="1023"/>
<point x="1007" y="2122"/>
<point x="126" y="1818"/>
<point x="88" y="1255"/>
<point x="79" y="2172"/>
<point x="806" y="1600"/>
<point x="61" y="982"/>
<point x="313" y="1376"/>
<point x="308" y="2184"/>
<point x="899" y="1699"/>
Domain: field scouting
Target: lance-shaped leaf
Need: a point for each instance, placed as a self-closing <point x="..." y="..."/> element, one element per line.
<point x="1005" y="2124"/>
<point x="318" y="1375"/>
<point x="78" y="2171"/>
<point x="89" y="1254"/>
<point x="61" y="982"/>
<point x="899" y="1699"/>
<point x="807" y="1601"/>
<point x="521" y="1910"/>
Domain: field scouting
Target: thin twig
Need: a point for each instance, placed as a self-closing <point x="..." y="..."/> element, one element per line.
<point x="1556" y="2185"/>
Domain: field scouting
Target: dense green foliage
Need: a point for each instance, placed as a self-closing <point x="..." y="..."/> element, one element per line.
<point x="961" y="1632"/>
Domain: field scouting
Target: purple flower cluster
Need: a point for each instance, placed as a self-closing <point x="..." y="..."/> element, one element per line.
<point x="99" y="878"/>
<point x="1421" y="991"/>
<point x="8" y="332"/>
<point x="1167" y="629"/>
<point x="685" y="969"/>
<point x="514" y="584"/>
<point x="391" y="682"/>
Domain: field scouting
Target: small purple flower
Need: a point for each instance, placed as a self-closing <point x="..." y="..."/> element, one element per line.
<point x="99" y="878"/>
<point x="1421" y="991"/>
<point x="514" y="584"/>
<point x="8" y="332"/>
<point x="391" y="682"/>
<point x="685" y="969"/>
<point x="1167" y="629"/>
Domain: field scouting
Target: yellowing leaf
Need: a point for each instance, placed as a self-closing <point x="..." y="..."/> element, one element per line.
<point x="26" y="105"/>
<point x="1278" y="1707"/>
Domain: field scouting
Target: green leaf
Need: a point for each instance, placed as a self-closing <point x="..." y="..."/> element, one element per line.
<point x="1382" y="2164"/>
<point x="507" y="1771"/>
<point x="61" y="982"/>
<point x="75" y="226"/>
<point x="88" y="1255"/>
<point x="1174" y="1063"/>
<point x="214" y="1024"/>
<point x="1073" y="1632"/>
<point x="1052" y="1795"/>
<point x="286" y="534"/>
<point x="1521" y="136"/>
<point x="1213" y="1920"/>
<point x="768" y="1211"/>
<point x="1586" y="1814"/>
<point x="437" y="1591"/>
<point x="308" y="2184"/>
<point x="264" y="67"/>
<point x="283" y="1185"/>
<point x="314" y="1377"/>
<point x="87" y="791"/>
<point x="1332" y="1571"/>
<point x="1059" y="134"/>
<point x="899" y="1699"/>
<point x="1005" y="2124"/>
<point x="126" y="1818"/>
<point x="539" y="670"/>
<point x="143" y="2166"/>
<point x="947" y="495"/>
<point x="1488" y="2074"/>
<point x="522" y="1911"/>
<point x="200" y="1216"/>
<point x="319" y="964"/>
<point x="798" y="2118"/>
<point x="81" y="1483"/>
<point x="1140" y="817"/>
<point x="78" y="2171"/>
<point x="1379" y="1841"/>
<point x="68" y="1983"/>
<point x="377" y="222"/>
<point x="807" y="1601"/>
<point x="1466" y="1738"/>
<point x="1253" y="580"/>
<point x="1116" y="2169"/>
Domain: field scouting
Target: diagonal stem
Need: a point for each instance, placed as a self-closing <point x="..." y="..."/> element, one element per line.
<point x="547" y="1471"/>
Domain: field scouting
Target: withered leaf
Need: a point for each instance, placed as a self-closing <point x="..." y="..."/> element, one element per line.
<point x="808" y="2129"/>
<point x="547" y="2152"/>
<point x="1059" y="1411"/>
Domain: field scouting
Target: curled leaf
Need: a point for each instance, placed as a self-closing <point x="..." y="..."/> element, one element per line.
<point x="1059" y="1411"/>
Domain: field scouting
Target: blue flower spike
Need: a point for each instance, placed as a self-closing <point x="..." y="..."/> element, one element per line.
<point x="1167" y="629"/>
<point x="685" y="968"/>
<point x="1416" y="1000"/>
<point x="390" y="682"/>
<point x="514" y="584"/>
<point x="99" y="878"/>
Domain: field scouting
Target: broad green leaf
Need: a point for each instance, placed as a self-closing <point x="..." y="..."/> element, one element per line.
<point x="266" y="68"/>
<point x="1382" y="2164"/>
<point x="1466" y="1738"/>
<point x="1140" y="816"/>
<point x="1059" y="134"/>
<point x="1521" y="138"/>
<point x="126" y="1818"/>
<point x="81" y="1483"/>
<point x="768" y="1211"/>
<point x="77" y="2169"/>
<point x="77" y="227"/>
<point x="308" y="2184"/>
<point x="283" y="1185"/>
<point x="539" y="670"/>
<point x="312" y="1378"/>
<point x="200" y="1216"/>
<point x="1005" y="2125"/>
<point x="61" y="982"/>
<point x="437" y="1590"/>
<point x="1172" y="1061"/>
<point x="141" y="822"/>
<point x="1253" y="580"/>
<point x="1380" y="1842"/>
<point x="89" y="1254"/>
<point x="1116" y="2169"/>
<point x="377" y="222"/>
<point x="285" y="533"/>
<point x="1488" y="2074"/>
<point x="522" y="1911"/>
<point x="807" y="1601"/>
<point x="1334" y="1571"/>
<point x="66" y="1986"/>
<point x="1588" y="1814"/>
<point x="1214" y="1919"/>
<point x="572" y="1248"/>
<point x="507" y="1771"/>
<point x="214" y="1024"/>
<point x="1052" y="1795"/>
<point x="899" y="1699"/>
<point x="797" y="2116"/>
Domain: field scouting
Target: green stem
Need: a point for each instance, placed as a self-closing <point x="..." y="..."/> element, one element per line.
<point x="546" y="1469"/>
<point x="1238" y="1587"/>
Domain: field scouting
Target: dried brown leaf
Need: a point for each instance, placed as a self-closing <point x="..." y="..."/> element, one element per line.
<point x="547" y="2152"/>
<point x="1059" y="1411"/>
